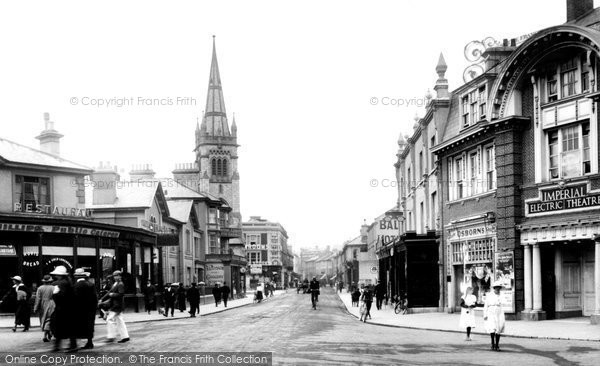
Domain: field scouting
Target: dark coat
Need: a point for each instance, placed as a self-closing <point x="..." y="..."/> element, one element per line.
<point x="193" y="295"/>
<point x="225" y="291"/>
<point x="149" y="297"/>
<point x="379" y="290"/>
<point x="62" y="318"/>
<point x="216" y="291"/>
<point x="314" y="285"/>
<point x="170" y="295"/>
<point x="23" y="310"/>
<point x="181" y="298"/>
<point x="84" y="314"/>
<point x="116" y="295"/>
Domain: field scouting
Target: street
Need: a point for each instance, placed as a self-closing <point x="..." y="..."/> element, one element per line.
<point x="297" y="335"/>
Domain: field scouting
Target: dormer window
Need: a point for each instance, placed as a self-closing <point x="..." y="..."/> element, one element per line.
<point x="474" y="106"/>
<point x="568" y="78"/>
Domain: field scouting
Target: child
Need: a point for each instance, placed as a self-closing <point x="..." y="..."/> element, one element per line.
<point x="467" y="317"/>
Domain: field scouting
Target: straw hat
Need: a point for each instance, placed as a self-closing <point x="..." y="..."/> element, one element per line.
<point x="80" y="272"/>
<point x="497" y="284"/>
<point x="17" y="278"/>
<point x="117" y="273"/>
<point x="60" y="271"/>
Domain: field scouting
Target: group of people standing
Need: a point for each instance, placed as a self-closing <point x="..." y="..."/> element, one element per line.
<point x="67" y="307"/>
<point x="175" y="296"/>
<point x="221" y="293"/>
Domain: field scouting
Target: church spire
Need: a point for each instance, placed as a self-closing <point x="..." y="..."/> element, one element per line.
<point x="215" y="114"/>
<point x="233" y="127"/>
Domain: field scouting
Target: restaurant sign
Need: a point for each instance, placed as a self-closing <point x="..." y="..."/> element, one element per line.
<point x="52" y="210"/>
<point x="58" y="229"/>
<point x="7" y="251"/>
<point x="563" y="198"/>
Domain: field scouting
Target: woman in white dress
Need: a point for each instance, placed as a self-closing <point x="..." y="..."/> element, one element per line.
<point x="467" y="316"/>
<point x="493" y="315"/>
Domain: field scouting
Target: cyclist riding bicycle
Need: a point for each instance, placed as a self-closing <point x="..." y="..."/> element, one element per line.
<point x="315" y="290"/>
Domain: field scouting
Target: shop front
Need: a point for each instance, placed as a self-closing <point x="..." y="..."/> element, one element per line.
<point x="33" y="245"/>
<point x="560" y="238"/>
<point x="416" y="270"/>
<point x="474" y="262"/>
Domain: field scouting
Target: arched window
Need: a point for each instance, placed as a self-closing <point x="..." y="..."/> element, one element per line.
<point x="219" y="168"/>
<point x="213" y="166"/>
<point x="225" y="167"/>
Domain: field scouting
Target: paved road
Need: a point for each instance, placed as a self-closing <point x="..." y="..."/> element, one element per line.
<point x="298" y="335"/>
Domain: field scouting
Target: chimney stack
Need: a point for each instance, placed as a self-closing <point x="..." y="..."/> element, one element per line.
<point x="49" y="137"/>
<point x="141" y="171"/>
<point x="104" y="183"/>
<point x="576" y="8"/>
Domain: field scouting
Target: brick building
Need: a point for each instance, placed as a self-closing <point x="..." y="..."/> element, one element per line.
<point x="519" y="178"/>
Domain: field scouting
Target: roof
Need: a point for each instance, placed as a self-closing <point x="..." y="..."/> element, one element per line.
<point x="214" y="122"/>
<point x="133" y="194"/>
<point x="13" y="152"/>
<point x="175" y="190"/>
<point x="180" y="209"/>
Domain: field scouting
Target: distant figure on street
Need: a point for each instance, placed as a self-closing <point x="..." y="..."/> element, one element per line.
<point x="493" y="315"/>
<point x="169" y="296"/>
<point x="181" y="298"/>
<point x="467" y="315"/>
<point x="379" y="294"/>
<point x="225" y="290"/>
<point x="86" y="302"/>
<point x="62" y="318"/>
<point x="367" y="298"/>
<point x="340" y="286"/>
<point x="44" y="306"/>
<point x="114" y="321"/>
<point x="355" y="295"/>
<point x="149" y="297"/>
<point x="216" y="291"/>
<point x="20" y="295"/>
<point x="193" y="295"/>
<point x="315" y="291"/>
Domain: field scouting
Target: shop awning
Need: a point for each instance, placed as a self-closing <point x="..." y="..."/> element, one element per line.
<point x="323" y="277"/>
<point x="333" y="278"/>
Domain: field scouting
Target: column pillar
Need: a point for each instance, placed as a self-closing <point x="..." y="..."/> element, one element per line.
<point x="528" y="280"/>
<point x="537" y="312"/>
<point x="595" y="318"/>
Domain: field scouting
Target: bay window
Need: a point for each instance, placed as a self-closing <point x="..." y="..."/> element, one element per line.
<point x="472" y="172"/>
<point x="568" y="151"/>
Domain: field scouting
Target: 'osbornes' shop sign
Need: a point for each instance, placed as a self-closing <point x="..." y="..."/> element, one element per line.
<point x="566" y="198"/>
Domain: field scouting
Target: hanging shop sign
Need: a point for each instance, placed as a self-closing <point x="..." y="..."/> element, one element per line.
<point x="255" y="268"/>
<point x="57" y="261"/>
<point x="59" y="229"/>
<point x="52" y="210"/>
<point x="504" y="265"/>
<point x="215" y="273"/>
<point x="7" y="251"/>
<point x="563" y="198"/>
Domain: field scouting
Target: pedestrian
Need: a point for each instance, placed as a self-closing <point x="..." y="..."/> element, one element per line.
<point x="493" y="315"/>
<point x="355" y="295"/>
<point x="44" y="306"/>
<point x="149" y="297"/>
<point x="181" y="298"/>
<point x="216" y="291"/>
<point x="114" y="321"/>
<point x="62" y="318"/>
<point x="169" y="296"/>
<point x="102" y="309"/>
<point x="86" y="303"/>
<point x="315" y="290"/>
<point x="225" y="291"/>
<point x="20" y="295"/>
<point x="367" y="298"/>
<point x="467" y="316"/>
<point x="193" y="295"/>
<point x="379" y="294"/>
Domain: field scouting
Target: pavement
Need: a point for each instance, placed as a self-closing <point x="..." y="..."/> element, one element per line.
<point x="132" y="317"/>
<point x="563" y="329"/>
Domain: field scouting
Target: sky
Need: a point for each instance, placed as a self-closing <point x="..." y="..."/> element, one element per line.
<point x="317" y="149"/>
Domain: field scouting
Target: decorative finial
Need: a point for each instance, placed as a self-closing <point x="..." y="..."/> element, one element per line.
<point x="441" y="66"/>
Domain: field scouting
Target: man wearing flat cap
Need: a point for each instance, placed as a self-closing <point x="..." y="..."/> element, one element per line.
<point x="114" y="321"/>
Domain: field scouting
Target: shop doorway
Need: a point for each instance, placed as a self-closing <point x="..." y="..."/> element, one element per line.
<point x="548" y="282"/>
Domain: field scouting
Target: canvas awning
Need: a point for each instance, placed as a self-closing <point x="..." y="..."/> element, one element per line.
<point x="323" y="277"/>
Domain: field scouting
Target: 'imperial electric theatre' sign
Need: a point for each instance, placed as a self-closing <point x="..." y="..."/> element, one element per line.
<point x="566" y="198"/>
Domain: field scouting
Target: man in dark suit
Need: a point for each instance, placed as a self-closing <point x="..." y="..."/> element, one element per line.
<point x="225" y="290"/>
<point x="86" y="302"/>
<point x="216" y="291"/>
<point x="315" y="291"/>
<point x="379" y="294"/>
<point x="193" y="296"/>
<point x="169" y="296"/>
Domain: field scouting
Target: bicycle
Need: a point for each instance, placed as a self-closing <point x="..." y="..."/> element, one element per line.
<point x="401" y="306"/>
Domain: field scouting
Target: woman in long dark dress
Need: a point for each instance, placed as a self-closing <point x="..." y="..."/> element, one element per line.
<point x="44" y="306"/>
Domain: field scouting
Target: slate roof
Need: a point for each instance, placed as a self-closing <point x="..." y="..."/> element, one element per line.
<point x="16" y="153"/>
